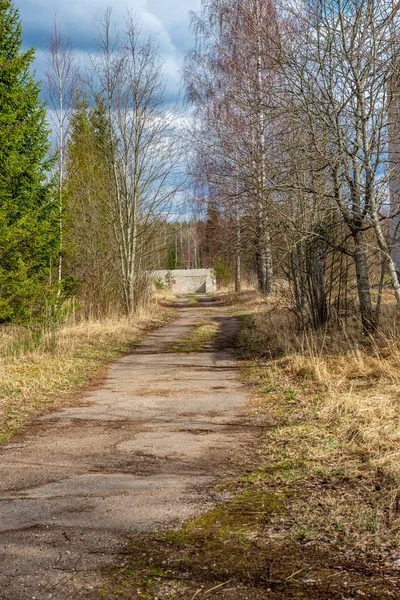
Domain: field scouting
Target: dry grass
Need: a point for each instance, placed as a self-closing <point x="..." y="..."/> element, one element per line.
<point x="39" y="370"/>
<point x="335" y="399"/>
<point x="357" y="380"/>
<point x="358" y="387"/>
<point x="334" y="455"/>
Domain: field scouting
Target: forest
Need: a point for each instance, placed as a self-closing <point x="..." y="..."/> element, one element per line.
<point x="278" y="167"/>
<point x="281" y="171"/>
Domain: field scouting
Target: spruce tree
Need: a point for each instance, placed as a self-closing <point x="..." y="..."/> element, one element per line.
<point x="91" y="257"/>
<point x="27" y="220"/>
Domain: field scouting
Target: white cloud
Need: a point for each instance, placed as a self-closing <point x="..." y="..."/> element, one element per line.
<point x="167" y="20"/>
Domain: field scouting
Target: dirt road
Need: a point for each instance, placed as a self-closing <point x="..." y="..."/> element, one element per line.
<point x="140" y="453"/>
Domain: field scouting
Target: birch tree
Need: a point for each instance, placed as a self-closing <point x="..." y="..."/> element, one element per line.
<point x="144" y="144"/>
<point x="337" y="58"/>
<point x="61" y="77"/>
<point x="228" y="78"/>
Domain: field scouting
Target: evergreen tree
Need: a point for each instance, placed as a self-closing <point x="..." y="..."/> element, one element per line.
<point x="91" y="259"/>
<point x="27" y="232"/>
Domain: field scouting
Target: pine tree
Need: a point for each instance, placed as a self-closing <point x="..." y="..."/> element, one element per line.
<point x="27" y="232"/>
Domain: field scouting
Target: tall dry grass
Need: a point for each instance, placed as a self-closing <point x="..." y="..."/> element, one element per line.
<point x="40" y="368"/>
<point x="355" y="378"/>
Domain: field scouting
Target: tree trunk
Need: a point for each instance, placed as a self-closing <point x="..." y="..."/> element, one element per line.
<point x="60" y="192"/>
<point x="265" y="271"/>
<point x="384" y="248"/>
<point x="363" y="286"/>
<point x="316" y="284"/>
<point x="238" y="275"/>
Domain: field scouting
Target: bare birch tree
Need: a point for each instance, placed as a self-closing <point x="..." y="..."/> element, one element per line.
<point x="144" y="144"/>
<point x="228" y="77"/>
<point x="61" y="77"/>
<point x="337" y="59"/>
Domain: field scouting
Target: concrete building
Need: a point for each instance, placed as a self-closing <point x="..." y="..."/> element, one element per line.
<point x="187" y="281"/>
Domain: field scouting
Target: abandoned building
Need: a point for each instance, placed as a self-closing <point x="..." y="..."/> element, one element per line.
<point x="186" y="281"/>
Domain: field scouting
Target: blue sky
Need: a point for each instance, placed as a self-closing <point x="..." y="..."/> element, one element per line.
<point x="167" y="19"/>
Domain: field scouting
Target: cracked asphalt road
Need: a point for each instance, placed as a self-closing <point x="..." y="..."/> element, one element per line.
<point x="138" y="454"/>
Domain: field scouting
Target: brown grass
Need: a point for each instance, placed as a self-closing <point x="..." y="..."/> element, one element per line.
<point x="38" y="370"/>
<point x="357" y="381"/>
<point x="335" y="398"/>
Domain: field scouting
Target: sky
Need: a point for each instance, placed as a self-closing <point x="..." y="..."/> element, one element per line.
<point x="168" y="20"/>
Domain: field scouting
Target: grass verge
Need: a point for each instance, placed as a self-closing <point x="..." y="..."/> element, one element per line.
<point x="37" y="372"/>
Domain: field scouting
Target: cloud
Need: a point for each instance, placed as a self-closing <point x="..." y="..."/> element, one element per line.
<point x="166" y="20"/>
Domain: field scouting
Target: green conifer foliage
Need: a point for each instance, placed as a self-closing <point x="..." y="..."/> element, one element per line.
<point x="91" y="256"/>
<point x="27" y="232"/>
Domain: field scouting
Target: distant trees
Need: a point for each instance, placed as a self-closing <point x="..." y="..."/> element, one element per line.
<point x="337" y="58"/>
<point x="291" y="152"/>
<point x="229" y="79"/>
<point x="91" y="254"/>
<point x="28" y="232"/>
<point x="123" y="170"/>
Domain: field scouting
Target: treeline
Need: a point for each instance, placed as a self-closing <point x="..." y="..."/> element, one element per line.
<point x="296" y="144"/>
<point x="293" y="157"/>
<point x="90" y="179"/>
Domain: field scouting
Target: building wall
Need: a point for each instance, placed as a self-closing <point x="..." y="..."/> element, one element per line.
<point x="188" y="281"/>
